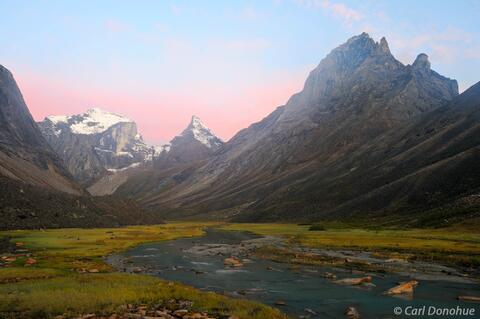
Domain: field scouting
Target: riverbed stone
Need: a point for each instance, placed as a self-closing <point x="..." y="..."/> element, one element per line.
<point x="352" y="313"/>
<point x="232" y="262"/>
<point x="354" y="281"/>
<point x="404" y="288"/>
<point x="469" y="298"/>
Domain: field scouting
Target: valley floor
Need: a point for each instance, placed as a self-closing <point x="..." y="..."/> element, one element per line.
<point x="54" y="272"/>
<point x="46" y="273"/>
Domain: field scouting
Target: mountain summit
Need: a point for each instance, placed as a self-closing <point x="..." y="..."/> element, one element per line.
<point x="94" y="142"/>
<point x="201" y="133"/>
<point x="196" y="142"/>
<point x="93" y="121"/>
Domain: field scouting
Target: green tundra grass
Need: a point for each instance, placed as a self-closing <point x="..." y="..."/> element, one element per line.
<point x="54" y="286"/>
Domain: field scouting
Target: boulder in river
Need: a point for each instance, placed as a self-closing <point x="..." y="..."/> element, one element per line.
<point x="354" y="281"/>
<point x="404" y="288"/>
<point x="352" y="313"/>
<point x="232" y="262"/>
<point x="469" y="298"/>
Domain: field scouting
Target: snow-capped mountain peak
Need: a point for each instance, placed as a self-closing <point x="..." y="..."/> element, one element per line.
<point x="93" y="121"/>
<point x="202" y="133"/>
<point x="100" y="140"/>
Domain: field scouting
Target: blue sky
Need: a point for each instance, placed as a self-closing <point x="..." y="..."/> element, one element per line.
<point x="229" y="62"/>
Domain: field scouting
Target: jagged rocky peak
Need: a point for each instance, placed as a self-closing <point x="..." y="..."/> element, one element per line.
<point x="202" y="133"/>
<point x="350" y="73"/>
<point x="421" y="62"/>
<point x="362" y="46"/>
<point x="383" y="45"/>
<point x="197" y="142"/>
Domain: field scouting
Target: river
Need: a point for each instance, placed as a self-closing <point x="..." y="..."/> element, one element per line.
<point x="303" y="290"/>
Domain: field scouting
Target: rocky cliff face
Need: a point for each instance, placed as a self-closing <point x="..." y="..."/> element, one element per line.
<point x="337" y="141"/>
<point x="95" y="142"/>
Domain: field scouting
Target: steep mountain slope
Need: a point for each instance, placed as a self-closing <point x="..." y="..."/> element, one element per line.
<point x="192" y="147"/>
<point x="24" y="154"/>
<point x="340" y="147"/>
<point x="36" y="190"/>
<point x="92" y="143"/>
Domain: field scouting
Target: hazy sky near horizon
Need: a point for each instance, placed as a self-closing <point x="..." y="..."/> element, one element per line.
<point x="229" y="62"/>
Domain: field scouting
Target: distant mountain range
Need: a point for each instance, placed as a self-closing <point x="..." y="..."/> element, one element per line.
<point x="368" y="140"/>
<point x="195" y="144"/>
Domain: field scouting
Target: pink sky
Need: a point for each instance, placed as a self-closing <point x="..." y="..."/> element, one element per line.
<point x="160" y="115"/>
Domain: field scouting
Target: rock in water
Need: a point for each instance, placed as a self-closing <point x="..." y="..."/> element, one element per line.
<point x="405" y="288"/>
<point x="232" y="262"/>
<point x="352" y="313"/>
<point x="469" y="298"/>
<point x="354" y="281"/>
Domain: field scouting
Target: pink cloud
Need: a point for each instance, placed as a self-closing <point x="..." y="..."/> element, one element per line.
<point x="339" y="10"/>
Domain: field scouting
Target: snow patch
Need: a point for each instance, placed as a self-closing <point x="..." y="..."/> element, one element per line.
<point x="116" y="170"/>
<point x="121" y="153"/>
<point x="93" y="121"/>
<point x="202" y="133"/>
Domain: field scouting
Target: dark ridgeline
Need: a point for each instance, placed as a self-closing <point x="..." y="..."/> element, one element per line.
<point x="36" y="189"/>
<point x="367" y="139"/>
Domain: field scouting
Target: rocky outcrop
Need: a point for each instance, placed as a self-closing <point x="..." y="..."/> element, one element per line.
<point x="96" y="142"/>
